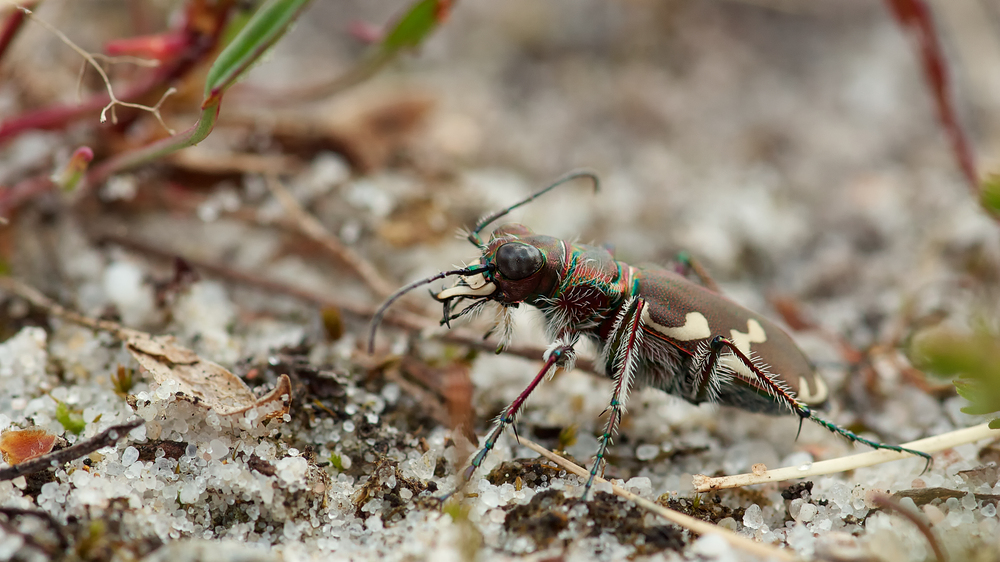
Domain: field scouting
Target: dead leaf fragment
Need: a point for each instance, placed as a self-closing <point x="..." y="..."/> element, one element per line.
<point x="19" y="445"/>
<point x="163" y="348"/>
<point x="203" y="381"/>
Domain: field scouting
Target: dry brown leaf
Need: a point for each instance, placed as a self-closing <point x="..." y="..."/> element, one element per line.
<point x="203" y="381"/>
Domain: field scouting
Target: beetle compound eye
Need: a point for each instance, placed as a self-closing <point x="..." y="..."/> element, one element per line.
<point x="517" y="260"/>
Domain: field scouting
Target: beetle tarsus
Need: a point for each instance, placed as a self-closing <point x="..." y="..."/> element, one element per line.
<point x="851" y="436"/>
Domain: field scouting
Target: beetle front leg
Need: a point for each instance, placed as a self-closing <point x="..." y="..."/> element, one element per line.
<point x="560" y="354"/>
<point x="625" y="344"/>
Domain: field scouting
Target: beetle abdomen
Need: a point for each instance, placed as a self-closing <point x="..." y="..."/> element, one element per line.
<point x="687" y="317"/>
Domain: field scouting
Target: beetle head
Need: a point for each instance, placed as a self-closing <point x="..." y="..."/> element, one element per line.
<point x="516" y="264"/>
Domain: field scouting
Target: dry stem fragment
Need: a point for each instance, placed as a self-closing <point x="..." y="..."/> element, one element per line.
<point x="697" y="526"/>
<point x="312" y="228"/>
<point x="933" y="444"/>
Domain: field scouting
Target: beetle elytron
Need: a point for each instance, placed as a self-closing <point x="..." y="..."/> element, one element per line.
<point x="653" y="327"/>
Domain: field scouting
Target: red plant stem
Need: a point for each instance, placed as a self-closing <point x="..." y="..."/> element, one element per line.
<point x="12" y="197"/>
<point x="13" y="24"/>
<point x="915" y="17"/>
<point x="200" y="44"/>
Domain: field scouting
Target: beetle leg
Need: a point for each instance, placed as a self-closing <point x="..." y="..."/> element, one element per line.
<point x="505" y="326"/>
<point x="688" y="264"/>
<point x="782" y="394"/>
<point x="851" y="436"/>
<point x="624" y="346"/>
<point x="754" y="373"/>
<point x="555" y="357"/>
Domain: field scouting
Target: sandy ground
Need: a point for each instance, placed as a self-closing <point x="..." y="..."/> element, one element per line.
<point x="791" y="147"/>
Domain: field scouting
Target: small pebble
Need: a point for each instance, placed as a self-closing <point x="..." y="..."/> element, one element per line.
<point x="647" y="452"/>
<point x="130" y="455"/>
<point x="753" y="517"/>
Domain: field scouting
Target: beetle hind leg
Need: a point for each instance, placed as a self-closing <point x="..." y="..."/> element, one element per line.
<point x="623" y="351"/>
<point x="851" y="436"/>
<point x="766" y="382"/>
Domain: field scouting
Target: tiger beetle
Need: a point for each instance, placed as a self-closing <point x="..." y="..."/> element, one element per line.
<point x="653" y="327"/>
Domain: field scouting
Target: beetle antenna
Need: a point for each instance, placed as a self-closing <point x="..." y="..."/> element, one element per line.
<point x="485" y="221"/>
<point x="380" y="313"/>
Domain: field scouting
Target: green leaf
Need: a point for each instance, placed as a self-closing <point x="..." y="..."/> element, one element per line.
<point x="337" y="462"/>
<point x="995" y="423"/>
<point x="266" y="26"/>
<point x="942" y="352"/>
<point x="980" y="409"/>
<point x="972" y="355"/>
<point x="237" y="22"/>
<point x="264" y="29"/>
<point x="965" y="389"/>
<point x="71" y="420"/>
<point x="411" y="29"/>
<point x="456" y="510"/>
<point x="989" y="194"/>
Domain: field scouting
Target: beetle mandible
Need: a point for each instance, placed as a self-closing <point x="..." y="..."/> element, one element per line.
<point x="652" y="327"/>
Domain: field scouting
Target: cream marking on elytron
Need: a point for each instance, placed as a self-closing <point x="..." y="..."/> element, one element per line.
<point x="755" y="334"/>
<point x="806" y="395"/>
<point x="695" y="327"/>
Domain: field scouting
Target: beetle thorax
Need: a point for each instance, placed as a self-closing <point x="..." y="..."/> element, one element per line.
<point x="590" y="284"/>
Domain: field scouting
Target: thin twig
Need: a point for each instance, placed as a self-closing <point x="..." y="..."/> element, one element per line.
<point x="106" y="438"/>
<point x="199" y="43"/>
<point x="697" y="526"/>
<point x="127" y="59"/>
<point x="36" y="298"/>
<point x="941" y="442"/>
<point x="887" y="502"/>
<point x="155" y="110"/>
<point x="312" y="228"/>
<point x="12" y="512"/>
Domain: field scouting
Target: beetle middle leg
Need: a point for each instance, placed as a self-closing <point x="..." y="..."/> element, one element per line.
<point x="624" y="347"/>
